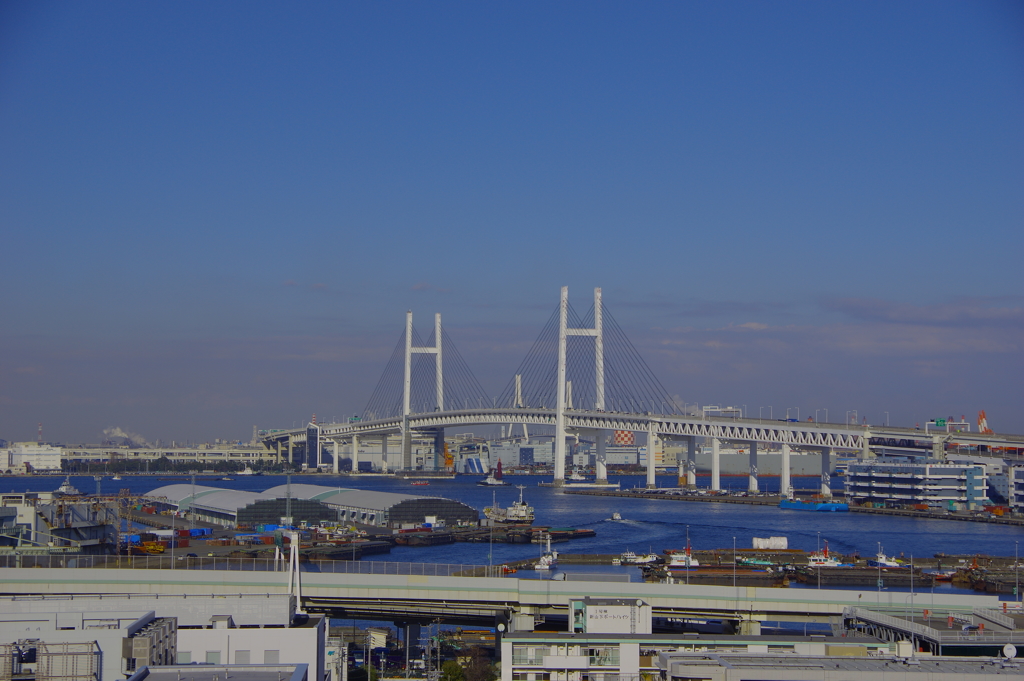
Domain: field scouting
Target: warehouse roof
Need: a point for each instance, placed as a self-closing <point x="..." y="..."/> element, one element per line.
<point x="335" y="496"/>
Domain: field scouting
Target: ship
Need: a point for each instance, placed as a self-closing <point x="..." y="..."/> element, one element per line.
<point x="248" y="471"/>
<point x="494" y="478"/>
<point x="548" y="560"/>
<point x="798" y="505"/>
<point x="519" y="513"/>
<point x="67" y="488"/>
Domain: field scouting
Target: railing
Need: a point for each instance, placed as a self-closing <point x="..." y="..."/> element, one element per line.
<point x="906" y="626"/>
<point x="995" y="617"/>
<point x="165" y="562"/>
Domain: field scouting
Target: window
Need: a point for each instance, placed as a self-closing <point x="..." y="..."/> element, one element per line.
<point x="271" y="657"/>
<point x="184" y="657"/>
<point x="212" y="657"/>
<point x="241" y="657"/>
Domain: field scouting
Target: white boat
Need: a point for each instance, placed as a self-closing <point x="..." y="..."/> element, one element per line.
<point x="629" y="558"/>
<point x="684" y="560"/>
<point x="116" y="477"/>
<point x="822" y="558"/>
<point x="616" y="516"/>
<point x="882" y="560"/>
<point x="247" y="471"/>
<point x="67" y="488"/>
<point x="576" y="476"/>
<point x="519" y="513"/>
<point x="548" y="560"/>
<point x="494" y="478"/>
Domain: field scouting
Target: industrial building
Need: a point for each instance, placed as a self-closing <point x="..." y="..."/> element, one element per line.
<point x="313" y="504"/>
<point x="937" y="484"/>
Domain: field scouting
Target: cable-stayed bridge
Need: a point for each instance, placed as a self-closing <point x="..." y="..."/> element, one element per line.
<point x="582" y="376"/>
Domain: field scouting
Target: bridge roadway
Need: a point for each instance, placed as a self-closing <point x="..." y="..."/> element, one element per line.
<point x="475" y="600"/>
<point x="802" y="434"/>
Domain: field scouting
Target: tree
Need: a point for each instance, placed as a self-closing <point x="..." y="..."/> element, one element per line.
<point x="479" y="666"/>
<point x="451" y="671"/>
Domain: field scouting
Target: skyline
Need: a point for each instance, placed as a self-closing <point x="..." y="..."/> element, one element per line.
<point x="218" y="216"/>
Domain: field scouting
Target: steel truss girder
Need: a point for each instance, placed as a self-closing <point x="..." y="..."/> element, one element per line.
<point x="743" y="430"/>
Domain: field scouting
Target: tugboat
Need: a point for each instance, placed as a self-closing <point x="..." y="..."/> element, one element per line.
<point x="248" y="471"/>
<point x="67" y="488"/>
<point x="519" y="513"/>
<point x="882" y="560"/>
<point x="548" y="560"/>
<point x="629" y="558"/>
<point x="822" y="558"/>
<point x="494" y="478"/>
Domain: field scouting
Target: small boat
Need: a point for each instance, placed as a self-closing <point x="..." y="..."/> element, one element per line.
<point x="548" y="560"/>
<point x="684" y="560"/>
<point x="882" y="560"/>
<point x="67" y="488"/>
<point x="576" y="476"/>
<point x="247" y="471"/>
<point x="823" y="559"/>
<point x="225" y="479"/>
<point x="616" y="516"/>
<point x="494" y="478"/>
<point x="629" y="558"/>
<point x="116" y="477"/>
<point x="419" y="483"/>
<point x="519" y="513"/>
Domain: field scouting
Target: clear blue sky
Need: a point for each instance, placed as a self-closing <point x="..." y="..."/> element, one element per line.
<point x="215" y="215"/>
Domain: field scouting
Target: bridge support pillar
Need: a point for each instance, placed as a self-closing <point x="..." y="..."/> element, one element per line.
<point x="749" y="628"/>
<point x="355" y="454"/>
<point x="600" y="465"/>
<point x="752" y="460"/>
<point x="826" y="471"/>
<point x="384" y="452"/>
<point x="716" y="466"/>
<point x="335" y="455"/>
<point x="865" y="452"/>
<point x="785" y="486"/>
<point x="407" y="447"/>
<point x="652" y="446"/>
<point x="277" y="459"/>
<point x="691" y="462"/>
<point x="290" y="450"/>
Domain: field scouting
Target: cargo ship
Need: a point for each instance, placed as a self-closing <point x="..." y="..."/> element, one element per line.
<point x="828" y="506"/>
<point x="519" y="513"/>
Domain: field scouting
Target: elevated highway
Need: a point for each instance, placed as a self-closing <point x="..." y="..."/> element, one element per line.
<point x="471" y="600"/>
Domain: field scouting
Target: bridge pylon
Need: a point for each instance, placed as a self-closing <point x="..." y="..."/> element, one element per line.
<point x="410" y="350"/>
<point x="561" y="394"/>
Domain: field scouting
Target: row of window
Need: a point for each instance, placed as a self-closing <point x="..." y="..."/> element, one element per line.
<point x="241" y="657"/>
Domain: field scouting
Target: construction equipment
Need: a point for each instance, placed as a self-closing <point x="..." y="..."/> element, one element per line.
<point x="983" y="423"/>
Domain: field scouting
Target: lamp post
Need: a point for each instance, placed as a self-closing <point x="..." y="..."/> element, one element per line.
<point x="886" y="419"/>
<point x="734" y="561"/>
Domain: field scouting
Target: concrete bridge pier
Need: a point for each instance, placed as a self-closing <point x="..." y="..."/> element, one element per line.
<point x="335" y="455"/>
<point x="384" y="452"/>
<point x="652" y="445"/>
<point x="785" y="486"/>
<point x="290" y="460"/>
<point x="278" y="459"/>
<point x="600" y="466"/>
<point x="355" y="454"/>
<point x="826" y="471"/>
<point x="716" y="465"/>
<point x="691" y="462"/>
<point x="752" y="479"/>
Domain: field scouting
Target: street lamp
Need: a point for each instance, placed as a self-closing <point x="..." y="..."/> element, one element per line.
<point x="886" y="419"/>
<point x="734" y="561"/>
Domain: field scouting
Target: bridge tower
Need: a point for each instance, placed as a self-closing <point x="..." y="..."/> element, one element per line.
<point x="561" y="402"/>
<point x="410" y="350"/>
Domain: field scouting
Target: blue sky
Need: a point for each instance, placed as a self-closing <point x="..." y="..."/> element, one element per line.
<point x="215" y="216"/>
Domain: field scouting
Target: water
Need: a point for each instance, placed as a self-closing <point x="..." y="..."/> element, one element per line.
<point x="647" y="524"/>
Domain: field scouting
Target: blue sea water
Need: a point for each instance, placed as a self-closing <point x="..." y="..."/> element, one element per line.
<point x="647" y="524"/>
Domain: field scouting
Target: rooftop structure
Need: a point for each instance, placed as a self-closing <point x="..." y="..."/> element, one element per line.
<point x="313" y="503"/>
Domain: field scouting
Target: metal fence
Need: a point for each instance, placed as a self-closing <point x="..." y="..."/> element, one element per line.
<point x="166" y="562"/>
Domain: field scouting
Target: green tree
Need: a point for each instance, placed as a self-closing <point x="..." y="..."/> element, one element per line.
<point x="452" y="671"/>
<point x="479" y="666"/>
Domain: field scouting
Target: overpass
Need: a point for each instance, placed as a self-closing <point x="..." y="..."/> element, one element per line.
<point x="416" y="595"/>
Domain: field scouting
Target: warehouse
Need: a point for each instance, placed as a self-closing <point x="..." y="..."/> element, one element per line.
<point x="313" y="504"/>
<point x="383" y="509"/>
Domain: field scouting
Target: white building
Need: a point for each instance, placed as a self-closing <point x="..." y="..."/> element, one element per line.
<point x="25" y="457"/>
<point x="937" y="484"/>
